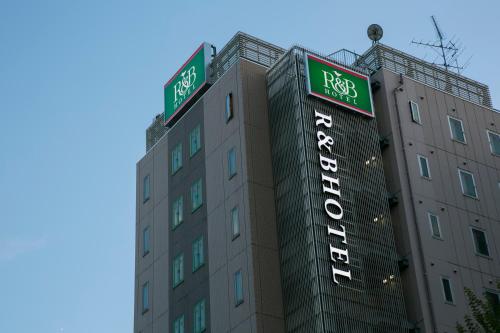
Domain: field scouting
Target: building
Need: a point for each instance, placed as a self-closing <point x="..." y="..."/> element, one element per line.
<point x="265" y="206"/>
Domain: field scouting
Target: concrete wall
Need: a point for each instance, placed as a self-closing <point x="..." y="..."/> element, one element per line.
<point x="254" y="252"/>
<point x="454" y="256"/>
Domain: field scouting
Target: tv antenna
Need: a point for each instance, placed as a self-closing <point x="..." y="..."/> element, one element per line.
<point x="449" y="51"/>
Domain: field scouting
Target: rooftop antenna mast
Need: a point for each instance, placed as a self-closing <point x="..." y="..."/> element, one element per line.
<point x="448" y="51"/>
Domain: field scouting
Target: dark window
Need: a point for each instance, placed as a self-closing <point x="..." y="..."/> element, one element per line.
<point x="229" y="107"/>
<point x="198" y="258"/>
<point x="447" y="292"/>
<point x="235" y="222"/>
<point x="179" y="324"/>
<point x="177" y="212"/>
<point x="199" y="317"/>
<point x="480" y="242"/>
<point x="178" y="270"/>
<point x="467" y="183"/>
<point x="423" y="164"/>
<point x="435" y="227"/>
<point x="456" y="129"/>
<point x="494" y="140"/>
<point x="415" y="112"/>
<point x="194" y="141"/>
<point x="146" y="237"/>
<point x="238" y="288"/>
<point x="196" y="195"/>
<point x="177" y="158"/>
<point x="145" y="188"/>
<point x="145" y="297"/>
<point x="493" y="298"/>
<point x="231" y="162"/>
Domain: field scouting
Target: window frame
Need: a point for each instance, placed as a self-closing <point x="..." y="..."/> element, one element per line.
<point x="176" y="260"/>
<point x="451" y="130"/>
<point x="146" y="249"/>
<point x="197" y="242"/>
<point x="179" y="319"/>
<point x="145" y="297"/>
<point x="460" y="171"/>
<point x="199" y="306"/>
<point x="492" y="292"/>
<point x="452" y="302"/>
<point x="196" y="131"/>
<point x="419" y="157"/>
<point x="176" y="150"/>
<point x="239" y="297"/>
<point x="415" y="107"/>
<point x="199" y="203"/>
<point x="440" y="237"/>
<point x="146" y="188"/>
<point x="176" y="224"/>
<point x="476" y="252"/>
<point x="229" y="107"/>
<point x="490" y="142"/>
<point x="235" y="212"/>
<point x="230" y="166"/>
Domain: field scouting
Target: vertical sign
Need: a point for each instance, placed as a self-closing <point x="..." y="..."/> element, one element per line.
<point x="186" y="83"/>
<point x="339" y="85"/>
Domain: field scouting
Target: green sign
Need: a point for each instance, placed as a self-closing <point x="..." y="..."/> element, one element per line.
<point x="188" y="80"/>
<point x="339" y="85"/>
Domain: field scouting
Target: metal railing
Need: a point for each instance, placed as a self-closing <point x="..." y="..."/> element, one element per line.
<point x="240" y="46"/>
<point x="383" y="56"/>
<point x="247" y="47"/>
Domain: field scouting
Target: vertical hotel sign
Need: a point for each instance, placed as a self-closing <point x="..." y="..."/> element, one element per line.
<point x="339" y="85"/>
<point x="186" y="83"/>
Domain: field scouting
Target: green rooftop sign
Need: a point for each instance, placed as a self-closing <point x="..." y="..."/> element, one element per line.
<point x="186" y="83"/>
<point x="339" y="85"/>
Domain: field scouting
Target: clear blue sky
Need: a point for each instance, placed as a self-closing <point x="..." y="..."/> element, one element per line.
<point x="79" y="83"/>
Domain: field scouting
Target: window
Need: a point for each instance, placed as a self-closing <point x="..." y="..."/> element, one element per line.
<point x="146" y="236"/>
<point x="179" y="324"/>
<point x="238" y="288"/>
<point x="423" y="164"/>
<point x="415" y="112"/>
<point x="435" y="227"/>
<point x="177" y="158"/>
<point x="199" y="317"/>
<point x="145" y="297"/>
<point x="231" y="162"/>
<point x="177" y="209"/>
<point x="145" y="189"/>
<point x="178" y="270"/>
<point x="235" y="222"/>
<point x="494" y="140"/>
<point x="447" y="292"/>
<point x="198" y="259"/>
<point x="456" y="129"/>
<point x="493" y="298"/>
<point x="229" y="107"/>
<point x="467" y="183"/>
<point x="480" y="242"/>
<point x="194" y="141"/>
<point x="196" y="195"/>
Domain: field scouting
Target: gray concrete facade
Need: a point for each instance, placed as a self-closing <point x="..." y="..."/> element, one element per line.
<point x="254" y="251"/>
<point x="453" y="255"/>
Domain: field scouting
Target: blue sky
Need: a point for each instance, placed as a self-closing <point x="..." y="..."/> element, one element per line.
<point x="79" y="83"/>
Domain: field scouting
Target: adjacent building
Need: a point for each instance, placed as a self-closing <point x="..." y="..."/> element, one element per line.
<point x="286" y="191"/>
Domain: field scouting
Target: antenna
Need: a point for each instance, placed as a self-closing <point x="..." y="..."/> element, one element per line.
<point x="449" y="50"/>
